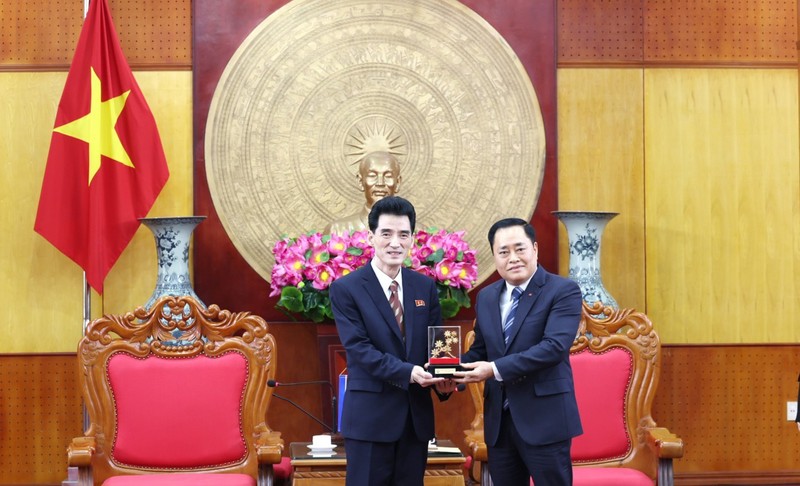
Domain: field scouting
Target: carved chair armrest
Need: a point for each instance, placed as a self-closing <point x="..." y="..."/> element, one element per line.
<point x="479" y="452"/>
<point x="666" y="446"/>
<point x="80" y="451"/>
<point x="269" y="447"/>
<point x="664" y="443"/>
<point x="477" y="447"/>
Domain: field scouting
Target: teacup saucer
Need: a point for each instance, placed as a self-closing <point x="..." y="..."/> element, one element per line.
<point x="321" y="449"/>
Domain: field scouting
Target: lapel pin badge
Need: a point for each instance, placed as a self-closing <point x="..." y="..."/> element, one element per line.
<point x="419" y="303"/>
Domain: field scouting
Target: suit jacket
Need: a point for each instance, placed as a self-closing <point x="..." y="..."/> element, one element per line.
<point x="379" y="362"/>
<point x="537" y="376"/>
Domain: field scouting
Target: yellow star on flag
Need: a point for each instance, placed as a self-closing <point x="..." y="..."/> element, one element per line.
<point x="97" y="128"/>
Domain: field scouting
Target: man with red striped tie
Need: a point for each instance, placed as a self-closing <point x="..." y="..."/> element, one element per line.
<point x="382" y="313"/>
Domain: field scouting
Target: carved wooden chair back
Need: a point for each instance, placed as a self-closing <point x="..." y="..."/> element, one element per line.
<point x="615" y="360"/>
<point x="177" y="389"/>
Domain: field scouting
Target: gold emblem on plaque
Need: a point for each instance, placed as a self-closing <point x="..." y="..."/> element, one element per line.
<point x="321" y="84"/>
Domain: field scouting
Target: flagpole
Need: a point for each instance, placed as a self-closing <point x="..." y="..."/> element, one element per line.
<point x="87" y="303"/>
<point x="87" y="316"/>
<point x="87" y="293"/>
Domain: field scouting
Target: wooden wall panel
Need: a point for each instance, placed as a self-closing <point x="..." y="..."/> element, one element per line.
<point x="42" y="274"/>
<point x="40" y="412"/>
<point x="43" y="35"/>
<point x="722" y="199"/>
<point x="36" y="272"/>
<point x="600" y="128"/>
<point x="600" y="32"/>
<point x="733" y="32"/>
<point x="721" y="31"/>
<point x="728" y="403"/>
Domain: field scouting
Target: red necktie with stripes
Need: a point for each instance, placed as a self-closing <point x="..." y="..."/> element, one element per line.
<point x="397" y="307"/>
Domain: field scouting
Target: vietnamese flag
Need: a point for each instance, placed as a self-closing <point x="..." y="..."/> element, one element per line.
<point x="106" y="165"/>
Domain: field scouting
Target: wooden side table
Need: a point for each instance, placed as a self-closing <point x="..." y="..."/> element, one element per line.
<point x="444" y="469"/>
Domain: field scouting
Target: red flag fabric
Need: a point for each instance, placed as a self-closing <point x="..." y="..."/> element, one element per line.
<point x="106" y="165"/>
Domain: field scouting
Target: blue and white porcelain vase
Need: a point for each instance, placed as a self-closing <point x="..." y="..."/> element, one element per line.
<point x="585" y="231"/>
<point x="172" y="236"/>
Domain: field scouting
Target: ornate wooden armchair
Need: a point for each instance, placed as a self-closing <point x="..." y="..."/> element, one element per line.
<point x="615" y="362"/>
<point x="177" y="396"/>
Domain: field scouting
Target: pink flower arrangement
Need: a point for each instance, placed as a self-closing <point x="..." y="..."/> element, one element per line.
<point x="306" y="266"/>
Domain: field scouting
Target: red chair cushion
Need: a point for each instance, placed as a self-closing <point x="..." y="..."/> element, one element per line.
<point x="608" y="476"/>
<point x="283" y="470"/>
<point x="182" y="479"/>
<point x="178" y="413"/>
<point x="601" y="384"/>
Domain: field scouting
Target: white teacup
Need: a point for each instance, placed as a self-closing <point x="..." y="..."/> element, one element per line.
<point x="323" y="440"/>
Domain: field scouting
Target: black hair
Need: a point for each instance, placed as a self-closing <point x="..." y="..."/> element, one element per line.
<point x="508" y="222"/>
<point x="394" y="205"/>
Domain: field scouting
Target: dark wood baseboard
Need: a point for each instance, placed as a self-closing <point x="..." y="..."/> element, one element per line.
<point x="722" y="478"/>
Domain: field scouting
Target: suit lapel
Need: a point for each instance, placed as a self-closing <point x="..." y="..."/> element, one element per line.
<point x="494" y="337"/>
<point x="526" y="301"/>
<point x="409" y="302"/>
<point x="372" y="287"/>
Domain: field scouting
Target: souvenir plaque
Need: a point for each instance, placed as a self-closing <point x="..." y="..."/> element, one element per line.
<point x="444" y="351"/>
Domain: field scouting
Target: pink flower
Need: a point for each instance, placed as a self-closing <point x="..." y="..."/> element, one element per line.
<point x="413" y="260"/>
<point x="469" y="257"/>
<point x="341" y="269"/>
<point x="337" y="244"/>
<point x="442" y="271"/>
<point x="423" y="253"/>
<point x="300" y="244"/>
<point x="429" y="271"/>
<point x="323" y="277"/>
<point x="319" y="256"/>
<point x="463" y="275"/>
<point x="437" y="240"/>
<point x="359" y="239"/>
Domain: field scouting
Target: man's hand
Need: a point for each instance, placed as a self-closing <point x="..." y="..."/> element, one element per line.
<point x="477" y="371"/>
<point x="447" y="385"/>
<point x="419" y="375"/>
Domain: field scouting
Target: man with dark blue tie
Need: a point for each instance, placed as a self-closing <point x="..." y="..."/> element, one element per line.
<point x="382" y="313"/>
<point x="524" y="328"/>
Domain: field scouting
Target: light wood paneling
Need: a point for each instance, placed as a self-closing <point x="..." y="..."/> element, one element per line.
<point x="44" y="287"/>
<point x="722" y="205"/>
<point x="600" y="151"/>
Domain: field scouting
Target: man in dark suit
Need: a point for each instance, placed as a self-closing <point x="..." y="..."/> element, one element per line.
<point x="524" y="327"/>
<point x="382" y="313"/>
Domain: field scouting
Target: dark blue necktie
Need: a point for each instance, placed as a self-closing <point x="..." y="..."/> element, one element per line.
<point x="507" y="326"/>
